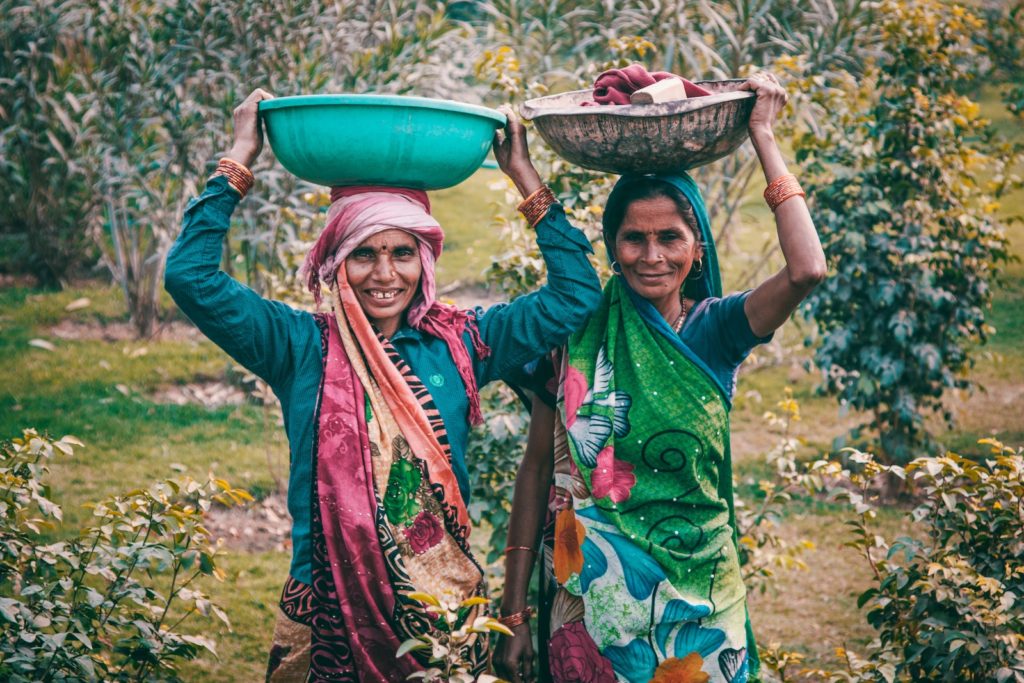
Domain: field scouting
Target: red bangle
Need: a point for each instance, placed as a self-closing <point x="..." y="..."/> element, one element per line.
<point x="513" y="620"/>
<point x="239" y="177"/>
<point x="782" y="188"/>
<point x="536" y="206"/>
<point x="520" y="547"/>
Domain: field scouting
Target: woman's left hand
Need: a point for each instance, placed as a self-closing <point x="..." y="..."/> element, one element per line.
<point x="771" y="98"/>
<point x="513" y="155"/>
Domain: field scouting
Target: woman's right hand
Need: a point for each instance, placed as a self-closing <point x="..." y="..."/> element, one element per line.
<point x="513" y="657"/>
<point x="513" y="155"/>
<point x="248" y="129"/>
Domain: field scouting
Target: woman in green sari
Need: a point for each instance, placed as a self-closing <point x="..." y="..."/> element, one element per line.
<point x="640" y="574"/>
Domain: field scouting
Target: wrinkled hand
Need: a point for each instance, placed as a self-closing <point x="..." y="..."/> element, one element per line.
<point x="513" y="155"/>
<point x="513" y="657"/>
<point x="248" y="128"/>
<point x="771" y="98"/>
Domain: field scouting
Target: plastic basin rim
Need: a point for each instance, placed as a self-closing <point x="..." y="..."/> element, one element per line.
<point x="370" y="100"/>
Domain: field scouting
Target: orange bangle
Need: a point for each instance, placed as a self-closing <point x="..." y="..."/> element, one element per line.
<point x="536" y="206"/>
<point x="239" y="177"/>
<point x="782" y="188"/>
<point x="513" y="620"/>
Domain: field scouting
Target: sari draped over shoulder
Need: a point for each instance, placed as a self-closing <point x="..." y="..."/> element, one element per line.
<point x="388" y="518"/>
<point x="642" y="578"/>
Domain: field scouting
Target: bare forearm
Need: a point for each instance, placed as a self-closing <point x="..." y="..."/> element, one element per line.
<point x="775" y="299"/>
<point x="529" y="502"/>
<point x="526" y="179"/>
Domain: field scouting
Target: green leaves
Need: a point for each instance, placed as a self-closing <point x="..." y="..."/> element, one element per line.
<point x="945" y="603"/>
<point x="96" y="605"/>
<point x="444" y="648"/>
<point x="909" y="234"/>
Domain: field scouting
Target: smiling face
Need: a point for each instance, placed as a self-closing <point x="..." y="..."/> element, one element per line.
<point x="655" y="249"/>
<point x="384" y="272"/>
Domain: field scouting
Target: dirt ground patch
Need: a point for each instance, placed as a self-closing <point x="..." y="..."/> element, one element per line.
<point x="206" y="394"/>
<point x="122" y="331"/>
<point x="260" y="527"/>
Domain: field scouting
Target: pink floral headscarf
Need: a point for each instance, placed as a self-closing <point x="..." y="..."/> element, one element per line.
<point x="359" y="212"/>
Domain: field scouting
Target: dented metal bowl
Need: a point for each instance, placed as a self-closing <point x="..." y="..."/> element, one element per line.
<point x="652" y="138"/>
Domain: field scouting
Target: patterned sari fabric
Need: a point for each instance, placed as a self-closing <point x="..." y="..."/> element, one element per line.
<point x="388" y="517"/>
<point x="642" y="577"/>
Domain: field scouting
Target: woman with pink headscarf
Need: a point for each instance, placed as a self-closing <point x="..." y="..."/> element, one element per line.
<point x="378" y="397"/>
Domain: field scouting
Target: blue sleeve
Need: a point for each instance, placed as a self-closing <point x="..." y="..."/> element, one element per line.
<point x="534" y="323"/>
<point x="256" y="332"/>
<point x="729" y="328"/>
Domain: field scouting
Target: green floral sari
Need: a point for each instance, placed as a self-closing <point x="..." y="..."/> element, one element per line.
<point x="643" y="578"/>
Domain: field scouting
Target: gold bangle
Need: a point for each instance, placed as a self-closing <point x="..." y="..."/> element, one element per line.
<point x="513" y="620"/>
<point x="239" y="177"/>
<point x="536" y="206"/>
<point x="782" y="188"/>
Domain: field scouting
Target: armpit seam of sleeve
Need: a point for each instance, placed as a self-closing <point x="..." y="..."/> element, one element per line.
<point x="563" y="331"/>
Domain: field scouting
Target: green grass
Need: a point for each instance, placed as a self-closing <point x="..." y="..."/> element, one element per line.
<point x="101" y="392"/>
<point x="250" y="592"/>
<point x="471" y="240"/>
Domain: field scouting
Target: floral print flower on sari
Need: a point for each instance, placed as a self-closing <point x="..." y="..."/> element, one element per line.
<point x="575" y="387"/>
<point x="559" y="499"/>
<point x="400" y="502"/>
<point x="686" y="670"/>
<point x="612" y="478"/>
<point x="426" y="532"/>
<point x="568" y="555"/>
<point x="575" y="657"/>
<point x="577" y="485"/>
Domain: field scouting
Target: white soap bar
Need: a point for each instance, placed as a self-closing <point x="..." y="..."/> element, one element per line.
<point x="667" y="90"/>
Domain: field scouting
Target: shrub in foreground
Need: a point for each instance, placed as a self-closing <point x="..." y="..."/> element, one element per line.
<point x="105" y="602"/>
<point x="947" y="603"/>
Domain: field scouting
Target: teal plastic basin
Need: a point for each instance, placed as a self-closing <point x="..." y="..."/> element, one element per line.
<point x="392" y="140"/>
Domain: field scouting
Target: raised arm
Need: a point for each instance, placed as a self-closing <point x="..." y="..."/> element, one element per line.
<point x="775" y="299"/>
<point x="526" y="328"/>
<point x="514" y="656"/>
<point x="254" y="331"/>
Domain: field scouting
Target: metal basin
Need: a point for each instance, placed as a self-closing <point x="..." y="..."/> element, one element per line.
<point x="650" y="138"/>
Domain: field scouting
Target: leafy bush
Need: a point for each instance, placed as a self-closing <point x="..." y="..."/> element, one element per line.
<point x="105" y="603"/>
<point x="45" y="183"/>
<point x="495" y="450"/>
<point x="762" y="550"/>
<point x="907" y="224"/>
<point x="946" y="604"/>
<point x="447" y="643"/>
<point x="1003" y="42"/>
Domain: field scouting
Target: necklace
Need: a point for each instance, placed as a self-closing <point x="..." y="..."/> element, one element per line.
<point x="678" y="324"/>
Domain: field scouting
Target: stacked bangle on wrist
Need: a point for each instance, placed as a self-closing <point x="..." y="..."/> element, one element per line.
<point x="516" y="618"/>
<point x="782" y="188"/>
<point x="239" y="177"/>
<point x="536" y="206"/>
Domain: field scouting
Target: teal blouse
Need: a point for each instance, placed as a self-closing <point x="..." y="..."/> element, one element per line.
<point x="281" y="344"/>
